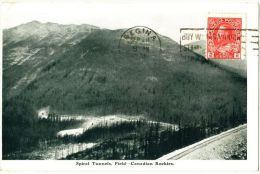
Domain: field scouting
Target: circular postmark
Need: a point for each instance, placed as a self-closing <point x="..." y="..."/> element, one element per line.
<point x="140" y="41"/>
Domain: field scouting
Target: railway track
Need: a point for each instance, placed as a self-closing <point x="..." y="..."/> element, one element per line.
<point x="178" y="154"/>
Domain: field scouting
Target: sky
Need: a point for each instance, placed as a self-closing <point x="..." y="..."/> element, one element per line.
<point x="164" y="17"/>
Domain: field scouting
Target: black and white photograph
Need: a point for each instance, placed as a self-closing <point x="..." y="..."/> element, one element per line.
<point x="129" y="81"/>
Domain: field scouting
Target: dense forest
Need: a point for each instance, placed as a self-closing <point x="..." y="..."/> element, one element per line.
<point x="139" y="139"/>
<point x="24" y="131"/>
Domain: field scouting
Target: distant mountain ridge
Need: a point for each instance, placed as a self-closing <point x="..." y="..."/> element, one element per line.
<point x="79" y="69"/>
<point x="238" y="66"/>
<point x="30" y="44"/>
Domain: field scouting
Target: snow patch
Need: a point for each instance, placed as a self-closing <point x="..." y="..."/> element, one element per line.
<point x="70" y="132"/>
<point x="92" y="122"/>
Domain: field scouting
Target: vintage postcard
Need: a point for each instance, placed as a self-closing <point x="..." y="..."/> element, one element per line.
<point x="129" y="86"/>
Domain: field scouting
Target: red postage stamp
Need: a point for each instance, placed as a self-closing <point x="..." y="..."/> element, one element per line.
<point x="224" y="38"/>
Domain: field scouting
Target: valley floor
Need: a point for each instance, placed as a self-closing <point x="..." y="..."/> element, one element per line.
<point x="132" y="137"/>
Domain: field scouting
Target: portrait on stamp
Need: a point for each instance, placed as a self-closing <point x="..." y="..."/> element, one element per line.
<point x="224" y="38"/>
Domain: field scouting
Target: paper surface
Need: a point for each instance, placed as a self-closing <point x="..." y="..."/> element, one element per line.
<point x="129" y="85"/>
